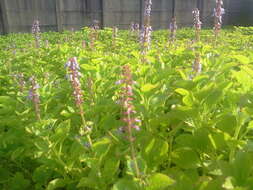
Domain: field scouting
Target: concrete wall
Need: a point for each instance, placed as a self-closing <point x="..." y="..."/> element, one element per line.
<point x="78" y="13"/>
<point x="161" y="14"/>
<point x="183" y="12"/>
<point x="241" y="12"/>
<point x="1" y="21"/>
<point x="121" y="12"/>
<point x="18" y="15"/>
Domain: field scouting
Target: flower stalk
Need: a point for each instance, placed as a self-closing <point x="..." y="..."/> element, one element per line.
<point x="134" y="29"/>
<point x="35" y="97"/>
<point x="93" y="36"/>
<point x="36" y="33"/>
<point x="146" y="31"/>
<point x="173" y="29"/>
<point x="19" y="77"/>
<point x="218" y="12"/>
<point x="197" y="23"/>
<point x="114" y="36"/>
<point x="74" y="75"/>
<point x="128" y="112"/>
<point x="197" y="67"/>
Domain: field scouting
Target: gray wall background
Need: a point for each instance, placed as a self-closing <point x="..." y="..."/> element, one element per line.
<point x="58" y="15"/>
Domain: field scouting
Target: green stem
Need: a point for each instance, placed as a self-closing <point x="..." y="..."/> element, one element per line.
<point x="84" y="124"/>
<point x="133" y="154"/>
<point x="236" y="137"/>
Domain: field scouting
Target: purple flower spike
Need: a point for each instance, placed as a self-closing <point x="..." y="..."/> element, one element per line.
<point x="145" y="34"/>
<point x="118" y="82"/>
<point x="36" y="32"/>
<point x="197" y="23"/>
<point x="34" y="96"/>
<point x="173" y="29"/>
<point x="73" y="76"/>
<point x="148" y="7"/>
<point x="218" y="12"/>
<point x="128" y="109"/>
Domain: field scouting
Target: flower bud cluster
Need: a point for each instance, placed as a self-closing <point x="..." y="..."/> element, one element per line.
<point x="135" y="27"/>
<point x="145" y="37"/>
<point x="95" y="25"/>
<point x="74" y="75"/>
<point x="173" y="29"/>
<point x="197" y="66"/>
<point x="129" y="113"/>
<point x="197" y="23"/>
<point x="146" y="30"/>
<point x="196" y="19"/>
<point x="148" y="7"/>
<point x="93" y="35"/>
<point x="218" y="12"/>
<point x="36" y="32"/>
<point x="34" y="95"/>
<point x="21" y="81"/>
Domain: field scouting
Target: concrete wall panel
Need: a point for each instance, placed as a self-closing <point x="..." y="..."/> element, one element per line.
<point x="121" y="12"/>
<point x="183" y="12"/>
<point x="18" y="15"/>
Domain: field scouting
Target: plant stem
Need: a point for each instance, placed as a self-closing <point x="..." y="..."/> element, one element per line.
<point x="84" y="124"/>
<point x="133" y="154"/>
<point x="236" y="137"/>
<point x="37" y="111"/>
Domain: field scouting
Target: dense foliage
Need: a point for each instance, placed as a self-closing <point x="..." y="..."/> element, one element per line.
<point x="196" y="132"/>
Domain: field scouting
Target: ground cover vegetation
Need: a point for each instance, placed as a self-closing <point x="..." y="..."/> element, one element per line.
<point x="127" y="110"/>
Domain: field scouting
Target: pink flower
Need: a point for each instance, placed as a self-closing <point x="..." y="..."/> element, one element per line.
<point x="129" y="112"/>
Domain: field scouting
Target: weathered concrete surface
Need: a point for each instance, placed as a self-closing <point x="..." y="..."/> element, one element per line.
<point x="240" y="12"/>
<point x="18" y="15"/>
<point x="79" y="13"/>
<point x="161" y="14"/>
<point x="121" y="12"/>
<point x="207" y="13"/>
<point x="183" y="12"/>
<point x="22" y="13"/>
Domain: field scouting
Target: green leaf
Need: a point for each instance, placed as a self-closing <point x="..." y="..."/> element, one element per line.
<point x="125" y="184"/>
<point x="87" y="182"/>
<point x="4" y="173"/>
<point x="242" y="59"/>
<point x="88" y="67"/>
<point x="182" y="91"/>
<point x="42" y="174"/>
<point x="188" y="98"/>
<point x="185" y="158"/>
<point x="102" y="147"/>
<point x="159" y="181"/>
<point x="19" y="182"/>
<point x="111" y="167"/>
<point x="228" y="183"/>
<point x="56" y="183"/>
<point x="17" y="153"/>
<point x="227" y="124"/>
<point x="65" y="113"/>
<point x="154" y="150"/>
<point x="148" y="87"/>
<point x="242" y="167"/>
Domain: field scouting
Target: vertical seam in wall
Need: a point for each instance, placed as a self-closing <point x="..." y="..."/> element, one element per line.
<point x="4" y="17"/>
<point x="173" y="8"/>
<point x="102" y="13"/>
<point x="141" y="15"/>
<point x="1" y="18"/>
